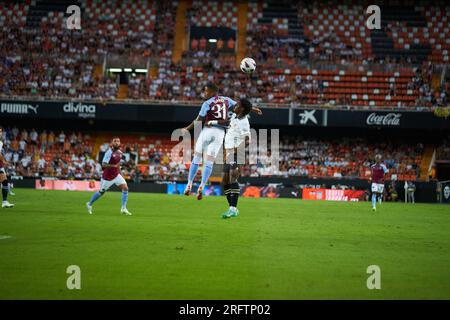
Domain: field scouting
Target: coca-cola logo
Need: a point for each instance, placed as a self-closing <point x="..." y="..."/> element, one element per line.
<point x="390" y="119"/>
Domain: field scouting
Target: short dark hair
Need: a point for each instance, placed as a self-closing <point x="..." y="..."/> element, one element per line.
<point x="247" y="105"/>
<point x="212" y="86"/>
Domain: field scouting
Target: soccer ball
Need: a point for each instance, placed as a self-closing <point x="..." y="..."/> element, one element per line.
<point x="248" y="65"/>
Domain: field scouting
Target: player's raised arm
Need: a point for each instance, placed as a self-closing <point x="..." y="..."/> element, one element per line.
<point x="254" y="109"/>
<point x="201" y="116"/>
<point x="191" y="125"/>
<point x="257" y="110"/>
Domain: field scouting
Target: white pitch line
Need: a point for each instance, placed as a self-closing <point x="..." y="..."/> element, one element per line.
<point x="4" y="237"/>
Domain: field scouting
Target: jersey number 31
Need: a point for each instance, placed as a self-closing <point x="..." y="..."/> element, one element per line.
<point x="219" y="110"/>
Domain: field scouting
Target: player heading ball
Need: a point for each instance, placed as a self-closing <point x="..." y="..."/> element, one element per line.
<point x="210" y="140"/>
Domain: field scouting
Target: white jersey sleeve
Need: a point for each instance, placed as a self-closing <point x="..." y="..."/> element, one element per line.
<point x="107" y="156"/>
<point x="204" y="109"/>
<point x="231" y="102"/>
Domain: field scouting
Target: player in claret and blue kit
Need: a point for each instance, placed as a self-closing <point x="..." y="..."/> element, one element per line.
<point x="378" y="172"/>
<point x="213" y="111"/>
<point x="4" y="184"/>
<point x="111" y="175"/>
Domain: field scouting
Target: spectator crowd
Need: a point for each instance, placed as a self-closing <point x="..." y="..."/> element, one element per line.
<point x="55" y="62"/>
<point x="66" y="155"/>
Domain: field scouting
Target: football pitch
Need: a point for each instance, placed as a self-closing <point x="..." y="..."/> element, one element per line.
<point x="175" y="247"/>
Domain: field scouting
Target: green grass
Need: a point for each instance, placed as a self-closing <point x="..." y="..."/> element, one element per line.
<point x="176" y="247"/>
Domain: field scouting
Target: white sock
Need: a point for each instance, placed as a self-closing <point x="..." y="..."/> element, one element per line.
<point x="233" y="208"/>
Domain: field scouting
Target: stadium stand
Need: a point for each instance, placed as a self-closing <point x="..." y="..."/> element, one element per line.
<point x="443" y="150"/>
<point x="70" y="155"/>
<point x="347" y="157"/>
<point x="307" y="54"/>
<point x="205" y="13"/>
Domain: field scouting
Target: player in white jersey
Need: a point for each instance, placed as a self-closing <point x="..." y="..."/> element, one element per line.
<point x="238" y="135"/>
<point x="3" y="177"/>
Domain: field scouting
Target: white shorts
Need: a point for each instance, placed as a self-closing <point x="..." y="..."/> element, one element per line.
<point x="233" y="141"/>
<point x="377" y="187"/>
<point x="210" y="141"/>
<point x="106" y="184"/>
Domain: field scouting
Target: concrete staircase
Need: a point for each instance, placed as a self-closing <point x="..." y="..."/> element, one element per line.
<point x="98" y="71"/>
<point x="436" y="80"/>
<point x="153" y="72"/>
<point x="426" y="162"/>
<point x="122" y="93"/>
<point x="181" y="42"/>
<point x="241" y="31"/>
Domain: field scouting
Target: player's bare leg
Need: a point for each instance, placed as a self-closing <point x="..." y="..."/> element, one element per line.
<point x="207" y="170"/>
<point x="374" y="200"/>
<point x="10" y="187"/>
<point x="94" y="198"/>
<point x="192" y="172"/>
<point x="124" y="210"/>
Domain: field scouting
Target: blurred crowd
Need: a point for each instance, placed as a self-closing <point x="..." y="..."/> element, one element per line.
<point x="443" y="150"/>
<point x="30" y="153"/>
<point x="422" y="82"/>
<point x="70" y="156"/>
<point x="340" y="158"/>
<point x="55" y="62"/>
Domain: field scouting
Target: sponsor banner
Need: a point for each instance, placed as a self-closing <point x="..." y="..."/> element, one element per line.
<point x="269" y="191"/>
<point x="382" y="119"/>
<point x="178" y="188"/>
<point x="389" y="119"/>
<point x="445" y="193"/>
<point x="122" y="112"/>
<point x="17" y="108"/>
<point x="333" y="194"/>
<point x="181" y="113"/>
<point x="67" y="185"/>
<point x="308" y="117"/>
<point x="79" y="110"/>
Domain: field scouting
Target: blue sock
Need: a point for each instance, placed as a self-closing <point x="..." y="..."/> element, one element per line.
<point x="374" y="200"/>
<point x="124" y="199"/>
<point x="193" y="168"/>
<point x="94" y="198"/>
<point x="207" y="170"/>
